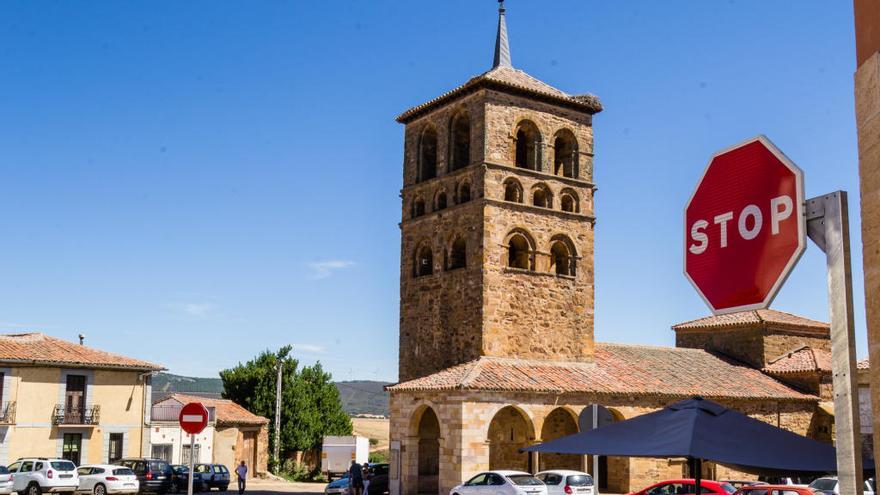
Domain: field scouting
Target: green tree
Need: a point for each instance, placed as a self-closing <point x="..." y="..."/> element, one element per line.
<point x="310" y="404"/>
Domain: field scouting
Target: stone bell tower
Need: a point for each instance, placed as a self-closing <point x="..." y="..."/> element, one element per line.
<point x="497" y="222"/>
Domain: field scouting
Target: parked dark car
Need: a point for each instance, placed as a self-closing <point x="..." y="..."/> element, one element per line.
<point x="181" y="479"/>
<point x="213" y="476"/>
<point x="154" y="475"/>
<point x="378" y="476"/>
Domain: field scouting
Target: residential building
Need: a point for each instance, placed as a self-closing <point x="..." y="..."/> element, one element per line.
<point x="234" y="434"/>
<point x="62" y="399"/>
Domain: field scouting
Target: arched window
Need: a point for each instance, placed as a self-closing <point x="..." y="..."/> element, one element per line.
<point x="528" y="146"/>
<point x="424" y="262"/>
<point x="440" y="202"/>
<point x="418" y="207"/>
<point x="513" y="191"/>
<point x="563" y="260"/>
<point x="464" y="192"/>
<point x="458" y="254"/>
<point x="541" y="197"/>
<point x="460" y="141"/>
<point x="519" y="252"/>
<point x="428" y="154"/>
<point x="565" y="155"/>
<point x="569" y="201"/>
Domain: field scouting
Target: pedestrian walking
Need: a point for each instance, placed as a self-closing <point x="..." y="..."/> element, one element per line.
<point x="241" y="472"/>
<point x="366" y="473"/>
<point x="356" y="477"/>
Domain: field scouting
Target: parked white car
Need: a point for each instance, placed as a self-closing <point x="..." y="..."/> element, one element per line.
<point x="501" y="483"/>
<point x="5" y="481"/>
<point x="566" y="482"/>
<point x="104" y="479"/>
<point x="830" y="486"/>
<point x="36" y="475"/>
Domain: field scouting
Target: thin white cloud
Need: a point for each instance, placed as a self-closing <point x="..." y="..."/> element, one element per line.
<point x="309" y="348"/>
<point x="195" y="310"/>
<point x="324" y="269"/>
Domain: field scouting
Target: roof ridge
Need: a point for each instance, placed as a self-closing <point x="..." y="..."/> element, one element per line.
<point x="651" y="346"/>
<point x="791" y="352"/>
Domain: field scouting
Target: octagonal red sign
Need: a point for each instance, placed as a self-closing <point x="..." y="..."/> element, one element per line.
<point x="744" y="226"/>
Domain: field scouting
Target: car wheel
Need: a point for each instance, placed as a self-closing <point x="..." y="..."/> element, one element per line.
<point x="100" y="489"/>
<point x="34" y="489"/>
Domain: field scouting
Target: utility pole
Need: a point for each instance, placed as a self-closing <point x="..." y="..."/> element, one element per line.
<point x="278" y="416"/>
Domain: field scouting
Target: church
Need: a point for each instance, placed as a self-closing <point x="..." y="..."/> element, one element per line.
<point x="497" y="349"/>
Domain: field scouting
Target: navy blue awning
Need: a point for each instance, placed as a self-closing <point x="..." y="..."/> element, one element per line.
<point x="702" y="429"/>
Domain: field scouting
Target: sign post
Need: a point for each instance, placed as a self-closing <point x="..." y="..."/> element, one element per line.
<point x="745" y="228"/>
<point x="193" y="419"/>
<point x="828" y="228"/>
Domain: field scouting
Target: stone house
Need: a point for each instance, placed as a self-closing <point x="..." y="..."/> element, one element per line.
<point x="62" y="399"/>
<point x="233" y="433"/>
<point x="496" y="303"/>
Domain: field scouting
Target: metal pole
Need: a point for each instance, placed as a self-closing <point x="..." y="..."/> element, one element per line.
<point x="277" y="448"/>
<point x="192" y="450"/>
<point x="828" y="227"/>
<point x="595" y="408"/>
<point x="698" y="475"/>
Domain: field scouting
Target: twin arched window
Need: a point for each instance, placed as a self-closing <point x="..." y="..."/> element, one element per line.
<point x="418" y="207"/>
<point x="428" y="154"/>
<point x="565" y="154"/>
<point x="459" y="141"/>
<point x="569" y="201"/>
<point x="464" y="192"/>
<point x="513" y="191"/>
<point x="440" y="202"/>
<point x="457" y="254"/>
<point x="528" y="146"/>
<point x="424" y="261"/>
<point x="542" y="197"/>
<point x="521" y="253"/>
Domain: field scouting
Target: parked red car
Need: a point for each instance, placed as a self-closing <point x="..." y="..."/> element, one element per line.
<point x="774" y="490"/>
<point x="674" y="487"/>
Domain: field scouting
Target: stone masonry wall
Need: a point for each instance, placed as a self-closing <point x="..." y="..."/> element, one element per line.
<point x="756" y="346"/>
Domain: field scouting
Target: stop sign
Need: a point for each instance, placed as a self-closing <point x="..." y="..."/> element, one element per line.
<point x="744" y="226"/>
<point x="193" y="418"/>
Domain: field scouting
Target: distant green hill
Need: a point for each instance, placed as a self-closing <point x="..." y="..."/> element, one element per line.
<point x="358" y="396"/>
<point x="363" y="397"/>
<point x="167" y="383"/>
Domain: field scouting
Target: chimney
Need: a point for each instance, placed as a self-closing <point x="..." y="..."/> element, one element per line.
<point x="82" y="339"/>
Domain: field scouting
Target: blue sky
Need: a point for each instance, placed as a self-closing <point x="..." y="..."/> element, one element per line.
<point x="193" y="182"/>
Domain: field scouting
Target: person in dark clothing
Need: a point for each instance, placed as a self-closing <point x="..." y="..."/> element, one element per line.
<point x="356" y="477"/>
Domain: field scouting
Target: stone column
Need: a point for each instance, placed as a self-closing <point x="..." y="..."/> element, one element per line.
<point x="867" y="93"/>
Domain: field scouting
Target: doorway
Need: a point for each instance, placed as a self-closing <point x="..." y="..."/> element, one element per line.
<point x="75" y="399"/>
<point x="71" y="447"/>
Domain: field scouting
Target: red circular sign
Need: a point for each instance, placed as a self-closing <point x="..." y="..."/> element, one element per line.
<point x="744" y="226"/>
<point x="193" y="418"/>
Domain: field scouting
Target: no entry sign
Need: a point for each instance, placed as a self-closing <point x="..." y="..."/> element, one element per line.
<point x="744" y="226"/>
<point x="193" y="418"/>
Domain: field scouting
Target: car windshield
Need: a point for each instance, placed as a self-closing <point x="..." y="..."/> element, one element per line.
<point x="727" y="487"/>
<point x="524" y="480"/>
<point x="579" y="480"/>
<point x="4" y="470"/>
<point x="181" y="469"/>
<point x="158" y="466"/>
<point x="123" y="472"/>
<point x="203" y="468"/>
<point x="824" y="484"/>
<point x="63" y="465"/>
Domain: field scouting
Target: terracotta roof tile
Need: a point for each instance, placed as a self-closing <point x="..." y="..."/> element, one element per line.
<point x="618" y="369"/>
<point x="226" y="412"/>
<point x="752" y="318"/>
<point x="802" y="359"/>
<point x="513" y="79"/>
<point x="40" y="349"/>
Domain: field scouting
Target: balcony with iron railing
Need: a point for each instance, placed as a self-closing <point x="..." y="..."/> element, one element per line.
<point x="76" y="415"/>
<point x="7" y="413"/>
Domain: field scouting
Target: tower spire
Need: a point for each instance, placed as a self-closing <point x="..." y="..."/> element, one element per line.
<point x="502" y="48"/>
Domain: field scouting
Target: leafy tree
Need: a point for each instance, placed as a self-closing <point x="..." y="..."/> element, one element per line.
<point x="310" y="404"/>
